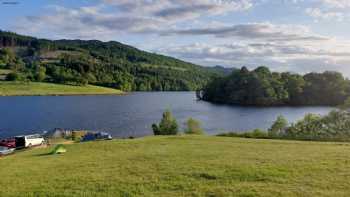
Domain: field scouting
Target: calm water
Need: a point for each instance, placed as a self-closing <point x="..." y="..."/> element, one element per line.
<point x="132" y="115"/>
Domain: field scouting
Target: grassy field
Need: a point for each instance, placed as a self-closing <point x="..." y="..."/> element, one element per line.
<point x="181" y="166"/>
<point x="3" y="73"/>
<point x="32" y="88"/>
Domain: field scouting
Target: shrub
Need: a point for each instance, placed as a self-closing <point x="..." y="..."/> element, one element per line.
<point x="257" y="133"/>
<point x="167" y="126"/>
<point x="309" y="128"/>
<point x="40" y="74"/>
<point x="193" y="127"/>
<point x="155" y="129"/>
<point x="335" y="126"/>
<point x="278" y="127"/>
<point x="14" y="76"/>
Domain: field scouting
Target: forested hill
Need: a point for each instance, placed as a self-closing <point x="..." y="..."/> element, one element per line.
<point x="110" y="64"/>
<point x="261" y="87"/>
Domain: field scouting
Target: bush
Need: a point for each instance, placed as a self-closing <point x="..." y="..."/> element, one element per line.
<point x="193" y="127"/>
<point x="14" y="76"/>
<point x="40" y="74"/>
<point x="257" y="133"/>
<point x="167" y="126"/>
<point x="335" y="126"/>
<point x="155" y="129"/>
<point x="278" y="127"/>
<point x="309" y="128"/>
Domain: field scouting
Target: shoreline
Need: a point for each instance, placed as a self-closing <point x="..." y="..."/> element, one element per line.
<point x="8" y="89"/>
<point x="61" y="95"/>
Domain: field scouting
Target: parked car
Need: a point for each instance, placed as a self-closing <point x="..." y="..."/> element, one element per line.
<point x="28" y="141"/>
<point x="96" y="136"/>
<point x="9" y="143"/>
<point x="6" y="151"/>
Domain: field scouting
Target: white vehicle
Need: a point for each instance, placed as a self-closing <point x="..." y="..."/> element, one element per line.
<point x="6" y="151"/>
<point x="29" y="140"/>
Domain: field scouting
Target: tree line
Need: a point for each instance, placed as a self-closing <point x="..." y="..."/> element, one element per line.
<point x="261" y="87"/>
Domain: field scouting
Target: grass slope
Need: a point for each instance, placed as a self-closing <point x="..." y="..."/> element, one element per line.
<point x="181" y="166"/>
<point x="32" y="88"/>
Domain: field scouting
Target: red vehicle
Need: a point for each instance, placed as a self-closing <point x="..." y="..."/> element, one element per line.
<point x="9" y="143"/>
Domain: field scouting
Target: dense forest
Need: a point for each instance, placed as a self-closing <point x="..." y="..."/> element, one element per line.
<point x="109" y="64"/>
<point x="261" y="87"/>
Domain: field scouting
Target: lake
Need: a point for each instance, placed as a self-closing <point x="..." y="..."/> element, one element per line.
<point x="133" y="114"/>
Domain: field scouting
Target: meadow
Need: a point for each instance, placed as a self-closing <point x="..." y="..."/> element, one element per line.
<point x="42" y="89"/>
<point x="180" y="166"/>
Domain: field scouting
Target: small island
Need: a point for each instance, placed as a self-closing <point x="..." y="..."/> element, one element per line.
<point x="261" y="87"/>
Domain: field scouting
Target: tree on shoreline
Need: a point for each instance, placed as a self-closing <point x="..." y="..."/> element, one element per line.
<point x="278" y="127"/>
<point x="193" y="127"/>
<point x="167" y="126"/>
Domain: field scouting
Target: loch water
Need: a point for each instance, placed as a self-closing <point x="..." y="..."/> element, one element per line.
<point x="134" y="113"/>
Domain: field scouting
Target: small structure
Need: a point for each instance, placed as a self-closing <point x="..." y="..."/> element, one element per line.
<point x="59" y="133"/>
<point x="59" y="149"/>
<point x="78" y="135"/>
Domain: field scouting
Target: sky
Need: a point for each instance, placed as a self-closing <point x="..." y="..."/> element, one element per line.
<point x="285" y="35"/>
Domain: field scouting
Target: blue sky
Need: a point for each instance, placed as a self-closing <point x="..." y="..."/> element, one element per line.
<point x="285" y="35"/>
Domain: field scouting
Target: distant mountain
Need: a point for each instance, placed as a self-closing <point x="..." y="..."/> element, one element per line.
<point x="110" y="64"/>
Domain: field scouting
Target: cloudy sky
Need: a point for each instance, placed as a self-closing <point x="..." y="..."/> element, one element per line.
<point x="286" y="35"/>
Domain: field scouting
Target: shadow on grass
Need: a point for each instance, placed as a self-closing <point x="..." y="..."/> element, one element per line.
<point x="44" y="154"/>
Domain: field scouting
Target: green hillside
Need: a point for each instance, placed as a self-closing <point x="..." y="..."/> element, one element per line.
<point x="109" y="64"/>
<point x="180" y="166"/>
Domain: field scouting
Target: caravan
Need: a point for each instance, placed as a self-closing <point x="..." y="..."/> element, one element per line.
<point x="28" y="141"/>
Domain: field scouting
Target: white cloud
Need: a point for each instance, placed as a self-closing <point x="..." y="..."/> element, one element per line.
<point x="336" y="10"/>
<point x="283" y="46"/>
<point x="178" y="8"/>
<point x="261" y="31"/>
<point x="280" y="56"/>
<point x="112" y="17"/>
<point x="326" y="15"/>
<point x="336" y="3"/>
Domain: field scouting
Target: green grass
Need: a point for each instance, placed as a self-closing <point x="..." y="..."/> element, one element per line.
<point x="181" y="166"/>
<point x="40" y="89"/>
<point x="4" y="71"/>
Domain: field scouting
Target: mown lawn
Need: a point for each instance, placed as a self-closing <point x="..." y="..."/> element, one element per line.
<point x="33" y="88"/>
<point x="181" y="166"/>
